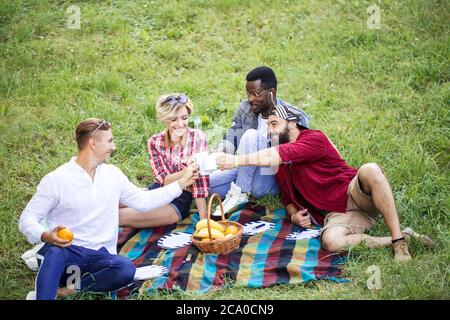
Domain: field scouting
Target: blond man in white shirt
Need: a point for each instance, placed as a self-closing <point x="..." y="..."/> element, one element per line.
<point x="83" y="195"/>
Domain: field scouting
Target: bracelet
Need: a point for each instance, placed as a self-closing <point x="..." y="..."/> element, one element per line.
<point x="236" y="164"/>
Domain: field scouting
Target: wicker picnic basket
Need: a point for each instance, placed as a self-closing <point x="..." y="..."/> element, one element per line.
<point x="219" y="245"/>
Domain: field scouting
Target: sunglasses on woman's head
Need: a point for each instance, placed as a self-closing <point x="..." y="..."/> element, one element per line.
<point x="173" y="100"/>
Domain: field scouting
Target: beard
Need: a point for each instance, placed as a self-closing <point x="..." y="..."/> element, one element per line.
<point x="280" y="138"/>
<point x="255" y="108"/>
<point x="260" y="108"/>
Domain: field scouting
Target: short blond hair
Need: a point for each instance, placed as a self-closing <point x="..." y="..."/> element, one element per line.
<point x="86" y="128"/>
<point x="168" y="105"/>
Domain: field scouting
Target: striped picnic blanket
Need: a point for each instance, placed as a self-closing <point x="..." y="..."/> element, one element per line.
<point x="262" y="260"/>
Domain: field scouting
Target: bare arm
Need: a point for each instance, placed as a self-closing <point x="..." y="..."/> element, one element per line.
<point x="264" y="158"/>
<point x="173" y="177"/>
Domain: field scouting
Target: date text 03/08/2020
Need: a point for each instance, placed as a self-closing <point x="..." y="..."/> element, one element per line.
<point x="226" y="309"/>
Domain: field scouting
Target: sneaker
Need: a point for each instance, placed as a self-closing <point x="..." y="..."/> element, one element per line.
<point x="31" y="295"/>
<point x="401" y="251"/>
<point x="409" y="233"/>
<point x="31" y="257"/>
<point x="234" y="198"/>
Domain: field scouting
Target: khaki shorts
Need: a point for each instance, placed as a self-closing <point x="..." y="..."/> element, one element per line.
<point x="361" y="212"/>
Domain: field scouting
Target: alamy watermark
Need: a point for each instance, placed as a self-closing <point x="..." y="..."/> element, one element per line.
<point x="74" y="279"/>
<point x="374" y="19"/>
<point x="374" y="280"/>
<point x="74" y="17"/>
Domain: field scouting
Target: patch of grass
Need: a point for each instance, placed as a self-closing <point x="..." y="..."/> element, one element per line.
<point x="380" y="95"/>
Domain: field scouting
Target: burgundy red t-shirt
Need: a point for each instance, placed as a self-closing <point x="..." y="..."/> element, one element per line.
<point x="313" y="175"/>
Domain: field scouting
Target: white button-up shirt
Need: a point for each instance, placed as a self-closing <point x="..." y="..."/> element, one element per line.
<point x="90" y="208"/>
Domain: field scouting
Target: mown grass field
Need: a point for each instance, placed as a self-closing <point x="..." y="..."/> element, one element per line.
<point x="380" y="94"/>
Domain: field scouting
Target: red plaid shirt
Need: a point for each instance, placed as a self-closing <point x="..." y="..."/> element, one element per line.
<point x="167" y="160"/>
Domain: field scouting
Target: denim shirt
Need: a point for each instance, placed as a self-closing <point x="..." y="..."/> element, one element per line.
<point x="243" y="120"/>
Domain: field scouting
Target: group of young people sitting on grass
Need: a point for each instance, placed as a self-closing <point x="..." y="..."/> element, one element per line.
<point x="269" y="149"/>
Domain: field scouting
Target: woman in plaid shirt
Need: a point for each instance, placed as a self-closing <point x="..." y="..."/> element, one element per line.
<point x="171" y="152"/>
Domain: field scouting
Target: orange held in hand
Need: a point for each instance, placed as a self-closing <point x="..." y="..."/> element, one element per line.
<point x="65" y="234"/>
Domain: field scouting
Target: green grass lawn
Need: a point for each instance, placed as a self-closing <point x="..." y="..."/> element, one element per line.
<point x="381" y="95"/>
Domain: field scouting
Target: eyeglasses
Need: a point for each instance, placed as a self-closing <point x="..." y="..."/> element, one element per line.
<point x="255" y="94"/>
<point x="173" y="100"/>
<point x="104" y="122"/>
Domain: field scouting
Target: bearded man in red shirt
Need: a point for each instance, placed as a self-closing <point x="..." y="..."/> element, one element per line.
<point x="318" y="187"/>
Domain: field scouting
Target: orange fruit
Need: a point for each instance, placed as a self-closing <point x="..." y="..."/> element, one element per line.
<point x="65" y="234"/>
<point x="231" y="230"/>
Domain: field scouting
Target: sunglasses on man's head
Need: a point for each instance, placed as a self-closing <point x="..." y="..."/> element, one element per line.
<point x="173" y="100"/>
<point x="104" y="122"/>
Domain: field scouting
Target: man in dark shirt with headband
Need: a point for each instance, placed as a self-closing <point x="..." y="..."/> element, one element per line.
<point x="318" y="187"/>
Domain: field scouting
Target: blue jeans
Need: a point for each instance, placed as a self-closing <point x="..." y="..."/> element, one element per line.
<point x="99" y="271"/>
<point x="260" y="181"/>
